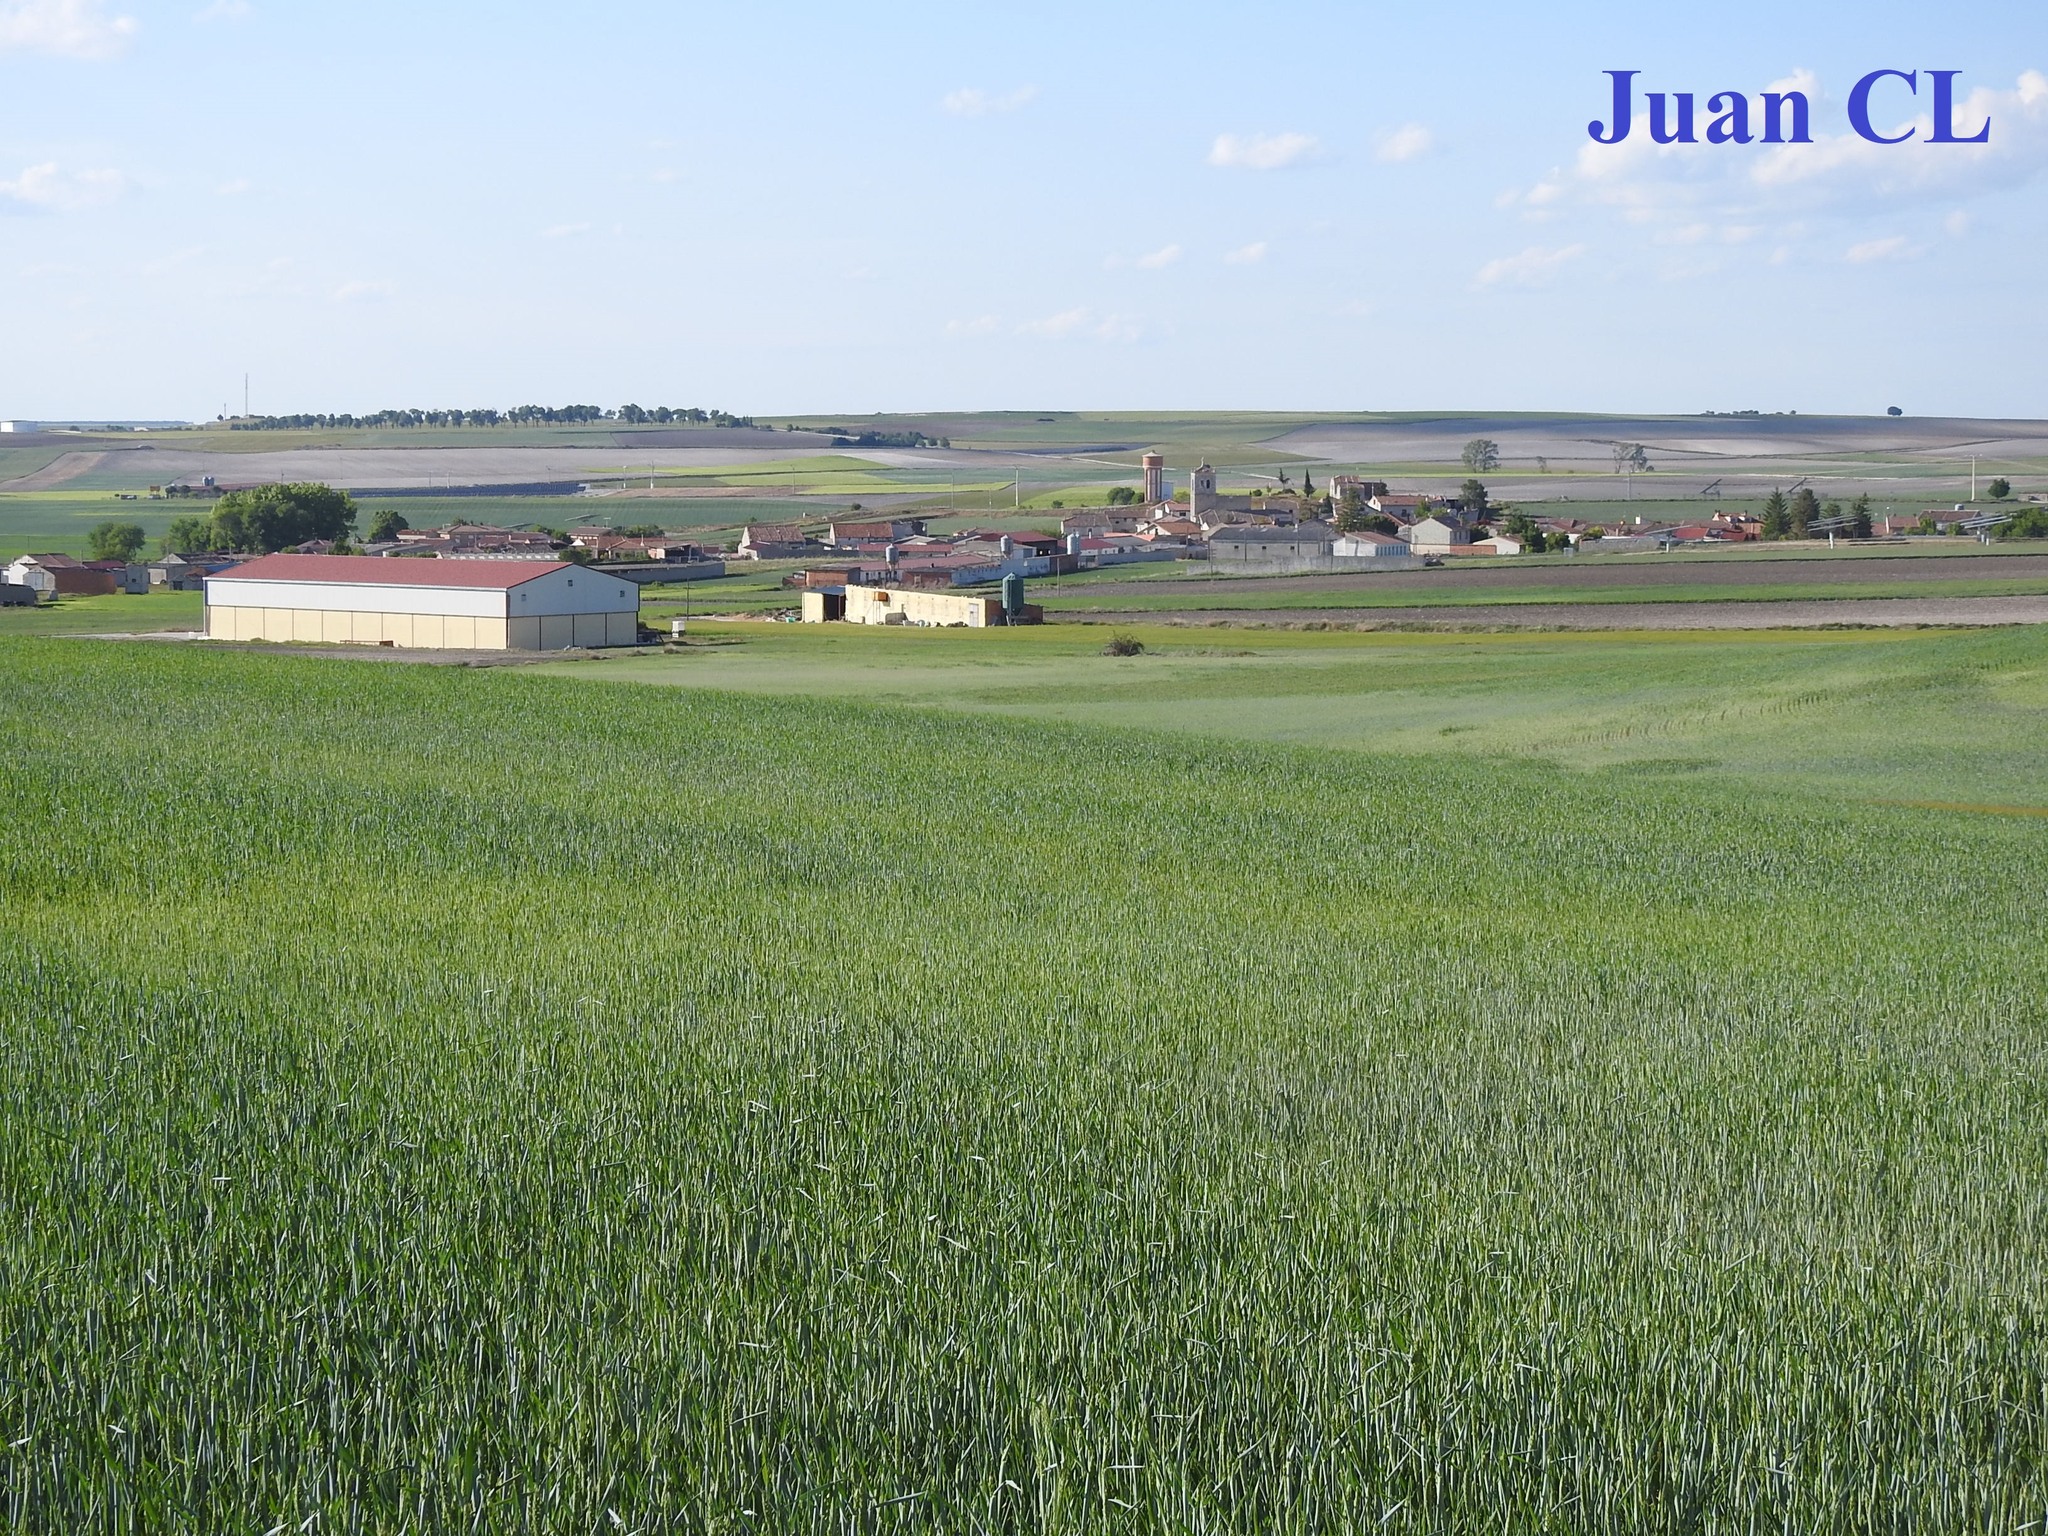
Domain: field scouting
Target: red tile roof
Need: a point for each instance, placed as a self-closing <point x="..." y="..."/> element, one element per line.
<point x="377" y="571"/>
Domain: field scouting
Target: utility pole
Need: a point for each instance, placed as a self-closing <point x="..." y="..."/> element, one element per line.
<point x="1017" y="489"/>
<point x="1973" y="477"/>
<point x="245" y="413"/>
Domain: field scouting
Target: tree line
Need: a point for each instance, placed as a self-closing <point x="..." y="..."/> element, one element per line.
<point x="517" y="416"/>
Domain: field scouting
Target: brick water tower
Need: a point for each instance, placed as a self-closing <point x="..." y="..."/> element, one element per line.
<point x="1155" y="478"/>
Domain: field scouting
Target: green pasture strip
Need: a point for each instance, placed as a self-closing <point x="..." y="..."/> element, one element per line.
<point x="16" y="462"/>
<point x="119" y="615"/>
<point x="451" y="1100"/>
<point x="1938" y="715"/>
<point x="1191" y="598"/>
<point x="58" y="522"/>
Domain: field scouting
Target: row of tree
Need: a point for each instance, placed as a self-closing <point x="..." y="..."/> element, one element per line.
<point x="1794" y="518"/>
<point x="518" y="416"/>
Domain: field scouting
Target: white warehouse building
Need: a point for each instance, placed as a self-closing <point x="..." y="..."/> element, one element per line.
<point x="484" y="605"/>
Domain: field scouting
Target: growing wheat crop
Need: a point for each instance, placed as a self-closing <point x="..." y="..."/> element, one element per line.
<point x="437" y="1100"/>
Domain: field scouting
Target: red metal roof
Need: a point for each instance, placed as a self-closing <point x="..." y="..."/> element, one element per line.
<point x="377" y="571"/>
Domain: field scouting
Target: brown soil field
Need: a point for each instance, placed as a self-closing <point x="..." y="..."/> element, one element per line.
<point x="1695" y="441"/>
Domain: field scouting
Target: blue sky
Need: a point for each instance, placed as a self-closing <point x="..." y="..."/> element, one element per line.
<point x="788" y="208"/>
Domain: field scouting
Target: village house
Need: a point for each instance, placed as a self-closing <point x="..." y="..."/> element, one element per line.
<point x="1365" y="544"/>
<point x="873" y="531"/>
<point x="61" y="576"/>
<point x="774" y="541"/>
<point x="1437" y="533"/>
<point x="1093" y="522"/>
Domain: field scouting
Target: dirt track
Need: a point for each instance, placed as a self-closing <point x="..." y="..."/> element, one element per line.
<point x="1731" y="615"/>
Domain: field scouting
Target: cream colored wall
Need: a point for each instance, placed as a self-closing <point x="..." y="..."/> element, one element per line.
<point x="894" y="605"/>
<point x="307" y="626"/>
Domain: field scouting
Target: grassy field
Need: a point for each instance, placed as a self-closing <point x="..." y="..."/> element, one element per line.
<point x="120" y="615"/>
<point x="1189" y="597"/>
<point x="1950" y="716"/>
<point x="57" y="522"/>
<point x="447" y="1100"/>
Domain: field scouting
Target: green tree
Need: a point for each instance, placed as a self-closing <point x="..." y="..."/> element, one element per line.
<point x="386" y="525"/>
<point x="1521" y="527"/>
<point x="1123" y="496"/>
<point x="274" y="517"/>
<point x="644" y="531"/>
<point x="1804" y="512"/>
<point x="1472" y="497"/>
<point x="1777" y="518"/>
<point x="189" y="536"/>
<point x="1861" y="524"/>
<point x="115" y="541"/>
<point x="2028" y="523"/>
<point x="1352" y="510"/>
<point x="1631" y="458"/>
<point x="1481" y="455"/>
<point x="1999" y="489"/>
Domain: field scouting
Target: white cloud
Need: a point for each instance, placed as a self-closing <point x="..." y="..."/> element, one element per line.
<point x="1527" y="267"/>
<point x="980" y="325"/>
<point x="1165" y="256"/>
<point x="1408" y="142"/>
<point x="1055" y="327"/>
<point x="1247" y="255"/>
<point x="1802" y="80"/>
<point x="75" y="29"/>
<point x="226" y="10"/>
<point x="563" y="231"/>
<point x="1878" y="250"/>
<point x="360" y="288"/>
<point x="970" y="101"/>
<point x="1080" y="322"/>
<point x="233" y="188"/>
<point x="1260" y="151"/>
<point x="1957" y="224"/>
<point x="47" y="188"/>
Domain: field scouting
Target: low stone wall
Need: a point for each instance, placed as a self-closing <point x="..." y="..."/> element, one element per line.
<point x="654" y="573"/>
<point x="1307" y="565"/>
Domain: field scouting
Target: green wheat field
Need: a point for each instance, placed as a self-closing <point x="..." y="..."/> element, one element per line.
<point x="437" y="1099"/>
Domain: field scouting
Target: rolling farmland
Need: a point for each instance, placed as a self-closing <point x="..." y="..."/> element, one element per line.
<point x="442" y="1099"/>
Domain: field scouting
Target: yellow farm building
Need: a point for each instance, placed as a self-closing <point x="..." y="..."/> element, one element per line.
<point x="482" y="605"/>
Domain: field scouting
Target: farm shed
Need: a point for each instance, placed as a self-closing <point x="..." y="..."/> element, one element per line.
<point x="485" y="605"/>
<point x="902" y="605"/>
<point x="61" y="576"/>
